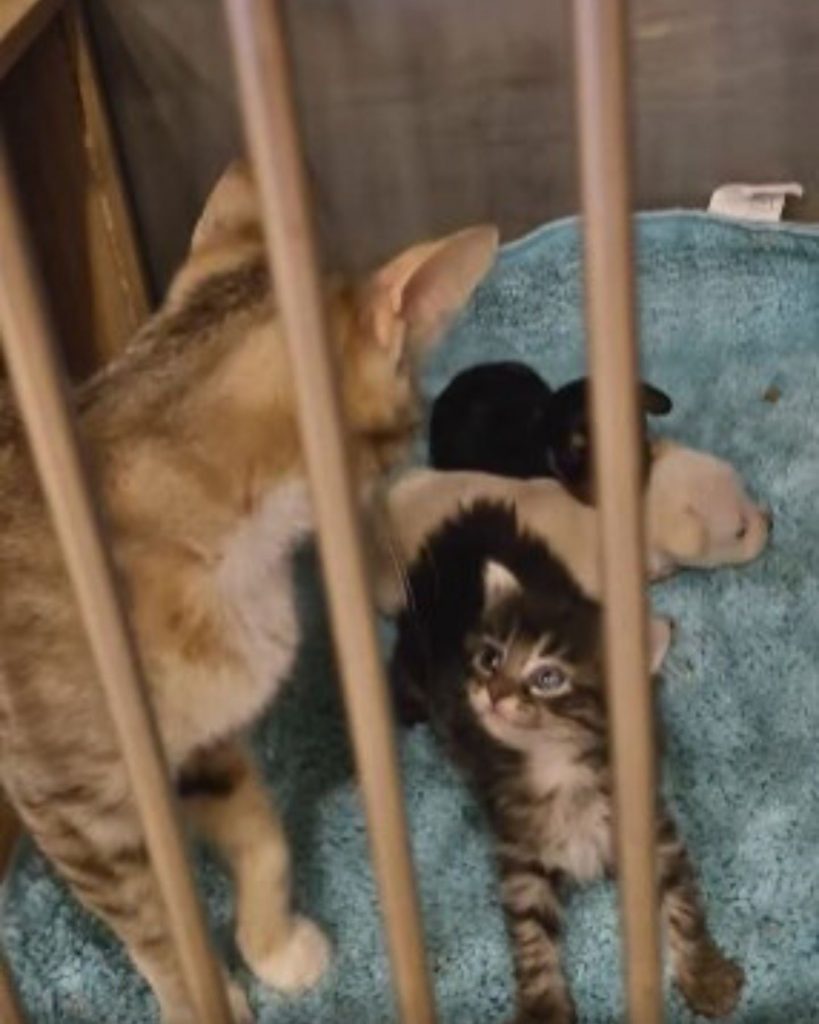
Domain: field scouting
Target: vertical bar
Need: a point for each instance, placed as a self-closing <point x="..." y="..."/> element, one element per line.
<point x="29" y="351"/>
<point x="261" y="65"/>
<point x="603" y="111"/>
<point x="11" y="1012"/>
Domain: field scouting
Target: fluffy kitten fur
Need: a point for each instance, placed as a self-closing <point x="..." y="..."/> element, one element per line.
<point x="502" y="650"/>
<point x="193" y="442"/>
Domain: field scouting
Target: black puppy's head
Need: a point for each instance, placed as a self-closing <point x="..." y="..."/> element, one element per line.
<point x="569" y="435"/>
<point x="492" y="418"/>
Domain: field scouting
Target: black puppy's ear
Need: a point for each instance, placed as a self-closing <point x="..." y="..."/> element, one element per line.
<point x="655" y="402"/>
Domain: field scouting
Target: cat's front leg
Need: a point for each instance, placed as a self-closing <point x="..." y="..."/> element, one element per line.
<point x="532" y="908"/>
<point x="710" y="982"/>
<point x="223" y="794"/>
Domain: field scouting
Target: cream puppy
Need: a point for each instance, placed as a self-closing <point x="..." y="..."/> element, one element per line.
<point x="698" y="514"/>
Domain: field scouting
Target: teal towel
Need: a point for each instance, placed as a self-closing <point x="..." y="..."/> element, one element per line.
<point x="728" y="311"/>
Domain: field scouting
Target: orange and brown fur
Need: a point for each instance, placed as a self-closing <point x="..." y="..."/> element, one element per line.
<point x="194" y="445"/>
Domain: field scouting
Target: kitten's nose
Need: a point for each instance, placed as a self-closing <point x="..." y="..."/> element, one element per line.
<point x="499" y="688"/>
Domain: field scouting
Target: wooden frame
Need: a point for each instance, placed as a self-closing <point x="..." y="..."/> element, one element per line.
<point x="266" y="95"/>
<point x="21" y="22"/>
<point x="53" y="115"/>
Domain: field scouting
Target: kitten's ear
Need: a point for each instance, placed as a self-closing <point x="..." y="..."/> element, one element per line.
<point x="498" y="583"/>
<point x="231" y="208"/>
<point x="417" y="295"/>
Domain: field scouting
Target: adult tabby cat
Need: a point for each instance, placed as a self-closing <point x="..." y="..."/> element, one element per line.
<point x="194" y="444"/>
<point x="502" y="649"/>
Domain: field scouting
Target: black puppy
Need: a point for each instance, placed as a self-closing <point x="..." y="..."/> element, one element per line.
<point x="504" y="418"/>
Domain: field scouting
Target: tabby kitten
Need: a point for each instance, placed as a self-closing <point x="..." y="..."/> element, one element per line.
<point x="194" y="443"/>
<point x="501" y="650"/>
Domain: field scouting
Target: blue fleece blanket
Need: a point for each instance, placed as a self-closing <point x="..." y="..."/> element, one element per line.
<point x="728" y="312"/>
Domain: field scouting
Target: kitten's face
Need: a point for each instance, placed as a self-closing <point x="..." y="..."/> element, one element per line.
<point x="530" y="673"/>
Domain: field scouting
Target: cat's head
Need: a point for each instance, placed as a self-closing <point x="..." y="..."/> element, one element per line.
<point x="387" y="324"/>
<point x="534" y="663"/>
<point x="382" y="326"/>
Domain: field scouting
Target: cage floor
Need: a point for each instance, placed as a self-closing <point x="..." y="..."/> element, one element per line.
<point x="728" y="311"/>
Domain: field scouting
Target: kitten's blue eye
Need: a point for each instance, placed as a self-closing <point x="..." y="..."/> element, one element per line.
<point x="548" y="680"/>
<point x="488" y="659"/>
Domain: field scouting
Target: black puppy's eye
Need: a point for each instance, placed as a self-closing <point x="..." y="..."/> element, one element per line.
<point x="488" y="659"/>
<point x="578" y="442"/>
<point x="548" y="680"/>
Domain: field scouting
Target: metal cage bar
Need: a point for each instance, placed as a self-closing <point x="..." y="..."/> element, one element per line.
<point x="260" y="60"/>
<point x="603" y="122"/>
<point x="29" y="350"/>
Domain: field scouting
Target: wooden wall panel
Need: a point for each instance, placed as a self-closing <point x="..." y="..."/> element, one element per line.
<point x="21" y="22"/>
<point x="69" y="186"/>
<point x="425" y="114"/>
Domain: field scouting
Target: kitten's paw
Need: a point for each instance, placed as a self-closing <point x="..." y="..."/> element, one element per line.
<point x="711" y="984"/>
<point x="298" y="962"/>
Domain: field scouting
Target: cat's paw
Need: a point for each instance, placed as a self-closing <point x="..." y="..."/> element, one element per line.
<point x="710" y="983"/>
<point x="299" y="962"/>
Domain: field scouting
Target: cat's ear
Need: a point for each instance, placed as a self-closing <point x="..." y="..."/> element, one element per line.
<point x="417" y="295"/>
<point x="498" y="583"/>
<point x="231" y="208"/>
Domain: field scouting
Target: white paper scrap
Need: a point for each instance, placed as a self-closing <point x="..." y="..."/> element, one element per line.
<point x="753" y="202"/>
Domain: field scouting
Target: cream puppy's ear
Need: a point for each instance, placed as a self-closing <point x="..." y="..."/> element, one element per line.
<point x="684" y="535"/>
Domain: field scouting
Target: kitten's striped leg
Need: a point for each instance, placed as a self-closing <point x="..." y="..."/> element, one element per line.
<point x="225" y="798"/>
<point x="710" y="983"/>
<point x="531" y="905"/>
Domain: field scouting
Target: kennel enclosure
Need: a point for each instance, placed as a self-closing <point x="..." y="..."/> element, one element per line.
<point x="261" y="63"/>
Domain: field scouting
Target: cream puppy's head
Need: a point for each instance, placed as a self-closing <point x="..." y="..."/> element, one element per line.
<point x="699" y="513"/>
